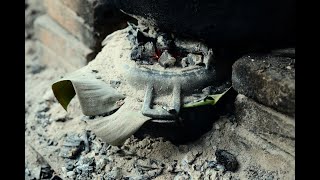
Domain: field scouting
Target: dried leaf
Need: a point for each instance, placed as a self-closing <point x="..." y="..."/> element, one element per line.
<point x="118" y="127"/>
<point x="95" y="96"/>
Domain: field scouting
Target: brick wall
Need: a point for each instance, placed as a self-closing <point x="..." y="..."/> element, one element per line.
<point x="70" y="33"/>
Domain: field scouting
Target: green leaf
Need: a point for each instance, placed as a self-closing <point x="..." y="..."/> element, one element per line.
<point x="95" y="96"/>
<point x="64" y="92"/>
<point x="209" y="100"/>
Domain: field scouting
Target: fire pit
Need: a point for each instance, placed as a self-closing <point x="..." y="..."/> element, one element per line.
<point x="168" y="61"/>
<point x="153" y="69"/>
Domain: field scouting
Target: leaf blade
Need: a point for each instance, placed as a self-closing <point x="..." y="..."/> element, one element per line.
<point x="207" y="101"/>
<point x="95" y="96"/>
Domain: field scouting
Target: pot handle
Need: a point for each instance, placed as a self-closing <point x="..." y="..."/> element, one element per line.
<point x="160" y="113"/>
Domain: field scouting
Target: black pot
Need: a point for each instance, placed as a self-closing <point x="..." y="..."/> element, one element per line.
<point x="222" y="23"/>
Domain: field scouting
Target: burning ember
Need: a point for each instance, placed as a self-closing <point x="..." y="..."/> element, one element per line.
<point x="166" y="50"/>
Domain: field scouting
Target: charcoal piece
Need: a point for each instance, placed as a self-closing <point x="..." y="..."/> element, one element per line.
<point x="208" y="58"/>
<point x="46" y="171"/>
<point x="86" y="160"/>
<point x="132" y="34"/>
<point x="37" y="69"/>
<point x="227" y="159"/>
<point x="191" y="46"/>
<point x="194" y="59"/>
<point x="72" y="141"/>
<point x="143" y="37"/>
<point x="115" y="83"/>
<point x="166" y="60"/>
<point x="50" y="142"/>
<point x="143" y="52"/>
<point x="152" y="173"/>
<point x="216" y="166"/>
<point x="182" y="176"/>
<point x="148" y="50"/>
<point x="70" y="152"/>
<point x="72" y="147"/>
<point x="85" y="167"/>
<point x="70" y="166"/>
<point x="136" y="52"/>
<point x="212" y="164"/>
<point x="184" y="62"/>
<point x="115" y="173"/>
<point x="132" y="39"/>
<point x="164" y="42"/>
<point x="102" y="162"/>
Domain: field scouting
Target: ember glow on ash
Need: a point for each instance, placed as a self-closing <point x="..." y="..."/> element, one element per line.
<point x="148" y="50"/>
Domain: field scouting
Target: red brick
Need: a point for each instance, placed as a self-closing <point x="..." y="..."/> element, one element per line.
<point x="83" y="8"/>
<point x="51" y="59"/>
<point x="70" y="21"/>
<point x="66" y="46"/>
<point x="102" y="15"/>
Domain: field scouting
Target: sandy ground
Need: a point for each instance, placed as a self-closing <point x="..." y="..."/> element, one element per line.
<point x="59" y="146"/>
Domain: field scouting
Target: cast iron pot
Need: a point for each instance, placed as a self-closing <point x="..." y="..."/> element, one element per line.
<point x="221" y="23"/>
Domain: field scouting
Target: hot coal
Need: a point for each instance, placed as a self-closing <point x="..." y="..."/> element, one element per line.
<point x="166" y="50"/>
<point x="166" y="60"/>
<point x="143" y="52"/>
